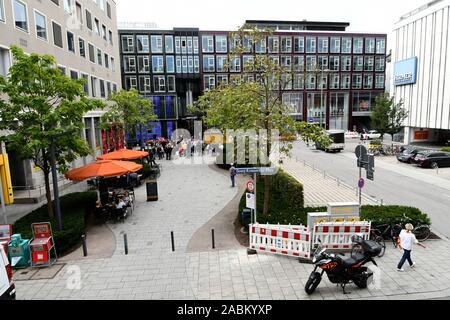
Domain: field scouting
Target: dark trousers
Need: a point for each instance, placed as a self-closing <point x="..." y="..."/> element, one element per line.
<point x="233" y="181"/>
<point x="406" y="256"/>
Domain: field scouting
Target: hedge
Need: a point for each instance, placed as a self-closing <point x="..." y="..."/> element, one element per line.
<point x="75" y="208"/>
<point x="446" y="149"/>
<point x="286" y="199"/>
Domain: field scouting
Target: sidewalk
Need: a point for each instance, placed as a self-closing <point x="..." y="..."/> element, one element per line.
<point x="190" y="197"/>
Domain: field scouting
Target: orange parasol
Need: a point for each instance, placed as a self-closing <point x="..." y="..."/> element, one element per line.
<point x="124" y="154"/>
<point x="104" y="168"/>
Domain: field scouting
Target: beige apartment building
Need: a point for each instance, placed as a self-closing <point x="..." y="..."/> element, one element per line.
<point x="82" y="36"/>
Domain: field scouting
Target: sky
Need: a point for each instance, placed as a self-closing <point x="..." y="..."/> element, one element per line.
<point x="376" y="16"/>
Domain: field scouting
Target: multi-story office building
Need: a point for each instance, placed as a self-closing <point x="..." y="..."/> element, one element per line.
<point x="336" y="75"/>
<point x="82" y="36"/>
<point x="421" y="73"/>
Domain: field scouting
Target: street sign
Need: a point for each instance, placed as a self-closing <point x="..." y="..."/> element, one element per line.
<point x="251" y="186"/>
<point x="263" y="171"/>
<point x="250" y="201"/>
<point x="361" y="183"/>
<point x="370" y="175"/>
<point x="361" y="151"/>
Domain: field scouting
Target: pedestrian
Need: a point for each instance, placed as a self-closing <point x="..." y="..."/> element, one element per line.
<point x="233" y="175"/>
<point x="405" y="243"/>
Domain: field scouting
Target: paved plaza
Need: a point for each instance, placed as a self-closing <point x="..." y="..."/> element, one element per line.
<point x="190" y="197"/>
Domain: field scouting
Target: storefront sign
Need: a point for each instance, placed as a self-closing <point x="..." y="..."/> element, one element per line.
<point x="405" y="72"/>
<point x="421" y="135"/>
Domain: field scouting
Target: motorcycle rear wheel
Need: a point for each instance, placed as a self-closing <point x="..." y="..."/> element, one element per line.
<point x="313" y="282"/>
<point x="361" y="279"/>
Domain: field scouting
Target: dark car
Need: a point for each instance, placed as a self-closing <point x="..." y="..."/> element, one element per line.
<point x="408" y="155"/>
<point x="432" y="159"/>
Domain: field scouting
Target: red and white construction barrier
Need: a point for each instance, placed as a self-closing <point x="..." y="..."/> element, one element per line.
<point x="338" y="235"/>
<point x="284" y="240"/>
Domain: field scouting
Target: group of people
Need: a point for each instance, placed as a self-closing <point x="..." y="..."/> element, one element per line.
<point x="114" y="205"/>
<point x="159" y="149"/>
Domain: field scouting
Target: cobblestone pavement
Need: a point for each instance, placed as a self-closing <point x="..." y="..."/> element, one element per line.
<point x="319" y="190"/>
<point x="189" y="197"/>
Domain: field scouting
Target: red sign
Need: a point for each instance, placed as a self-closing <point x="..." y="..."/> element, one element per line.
<point x="251" y="186"/>
<point x="421" y="135"/>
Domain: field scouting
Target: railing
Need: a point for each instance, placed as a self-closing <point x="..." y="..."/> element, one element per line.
<point x="62" y="182"/>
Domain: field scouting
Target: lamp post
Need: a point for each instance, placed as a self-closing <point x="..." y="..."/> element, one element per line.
<point x="321" y="95"/>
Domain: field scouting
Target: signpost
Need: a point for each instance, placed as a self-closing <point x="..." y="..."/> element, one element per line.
<point x="366" y="161"/>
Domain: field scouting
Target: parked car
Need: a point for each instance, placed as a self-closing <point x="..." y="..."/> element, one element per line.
<point x="408" y="155"/>
<point x="7" y="287"/>
<point x="351" y="135"/>
<point x="432" y="159"/>
<point x="372" y="134"/>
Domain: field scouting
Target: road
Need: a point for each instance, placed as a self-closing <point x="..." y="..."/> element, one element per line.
<point x="396" y="184"/>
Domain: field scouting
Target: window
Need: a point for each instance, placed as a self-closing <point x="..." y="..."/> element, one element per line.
<point x="299" y="81"/>
<point x="131" y="83"/>
<point x="346" y="64"/>
<point x="222" y="79"/>
<point x="108" y="10"/>
<point x="184" y="63"/>
<point x="274" y="44"/>
<point x="357" y="81"/>
<point x="68" y="6"/>
<point x="208" y="63"/>
<point x="379" y="63"/>
<point x="299" y="63"/>
<point x="247" y="44"/>
<point x="311" y="63"/>
<point x="294" y="104"/>
<point x="170" y="64"/>
<point x="106" y="60"/>
<point x="113" y="64"/>
<point x="379" y="81"/>
<point x="111" y="37"/>
<point x="157" y="44"/>
<point x="368" y="81"/>
<point x="221" y="63"/>
<point x="234" y="43"/>
<point x="73" y="75"/>
<point x="286" y="44"/>
<point x="261" y="46"/>
<point x="158" y="64"/>
<point x="100" y="57"/>
<point x="81" y="45"/>
<point x="286" y="82"/>
<point x="334" y="81"/>
<point x="127" y="44"/>
<point x="207" y="44"/>
<point x="129" y="64"/>
<point x="235" y="65"/>
<point x="247" y="78"/>
<point x="299" y="44"/>
<point x="335" y="45"/>
<point x="368" y="63"/>
<point x="57" y="35"/>
<point x="86" y="83"/>
<point x="159" y="84"/>
<point x="89" y="20"/>
<point x="178" y="64"/>
<point x="311" y="82"/>
<point x="249" y="63"/>
<point x="209" y="82"/>
<point x="370" y="45"/>
<point x="275" y="60"/>
<point x="345" y="81"/>
<point x="171" y="84"/>
<point x="189" y="45"/>
<point x="41" y="25"/>
<point x="310" y="45"/>
<point x="323" y="81"/>
<point x="177" y="45"/>
<point x="143" y="46"/>
<point x="195" y="44"/>
<point x="104" y="33"/>
<point x="190" y="64"/>
<point x="94" y="84"/>
<point x="2" y="11"/>
<point x="97" y="26"/>
<point x="144" y="64"/>
<point x="358" y="45"/>
<point x="144" y="84"/>
<point x="381" y="46"/>
<point x="323" y="45"/>
<point x="20" y="15"/>
<point x="346" y="45"/>
<point x="358" y="63"/>
<point x="62" y="70"/>
<point x="221" y="44"/>
<point x="91" y="53"/>
<point x="101" y="4"/>
<point x="196" y="65"/>
<point x="169" y="44"/>
<point x="323" y="62"/>
<point x="334" y="63"/>
<point x="70" y="42"/>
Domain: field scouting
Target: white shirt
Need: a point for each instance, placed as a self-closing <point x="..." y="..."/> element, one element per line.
<point x="407" y="240"/>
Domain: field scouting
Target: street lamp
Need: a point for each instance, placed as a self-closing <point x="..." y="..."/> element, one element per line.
<point x="321" y="95"/>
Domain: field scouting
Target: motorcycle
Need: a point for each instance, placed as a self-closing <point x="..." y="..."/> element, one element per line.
<point x="343" y="271"/>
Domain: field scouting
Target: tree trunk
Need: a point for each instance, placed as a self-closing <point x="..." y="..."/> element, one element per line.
<point x="48" y="193"/>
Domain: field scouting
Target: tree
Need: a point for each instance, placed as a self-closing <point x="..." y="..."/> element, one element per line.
<point x="129" y="110"/>
<point x="312" y="132"/>
<point x="388" y="116"/>
<point x="40" y="106"/>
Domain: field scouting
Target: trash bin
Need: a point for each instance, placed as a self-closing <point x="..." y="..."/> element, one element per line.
<point x="152" y="190"/>
<point x="246" y="217"/>
<point x="19" y="252"/>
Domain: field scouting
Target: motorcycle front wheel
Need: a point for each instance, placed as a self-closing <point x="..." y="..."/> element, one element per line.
<point x="313" y="282"/>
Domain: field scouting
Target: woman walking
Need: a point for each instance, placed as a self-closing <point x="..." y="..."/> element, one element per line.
<point x="406" y="241"/>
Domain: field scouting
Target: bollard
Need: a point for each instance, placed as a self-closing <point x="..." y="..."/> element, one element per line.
<point x="382" y="202"/>
<point x="173" y="242"/>
<point x="125" y="241"/>
<point x="213" y="239"/>
<point x="83" y="239"/>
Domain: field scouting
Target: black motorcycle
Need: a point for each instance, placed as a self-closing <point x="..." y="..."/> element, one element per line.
<point x="343" y="271"/>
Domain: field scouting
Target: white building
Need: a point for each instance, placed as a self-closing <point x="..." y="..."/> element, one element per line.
<point x="82" y="36"/>
<point x="421" y="71"/>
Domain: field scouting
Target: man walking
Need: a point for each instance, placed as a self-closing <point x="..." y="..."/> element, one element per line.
<point x="233" y="175"/>
<point x="406" y="241"/>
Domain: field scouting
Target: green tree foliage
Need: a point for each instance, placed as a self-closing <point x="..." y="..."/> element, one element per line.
<point x="39" y="105"/>
<point x="129" y="110"/>
<point x="310" y="132"/>
<point x="388" y="116"/>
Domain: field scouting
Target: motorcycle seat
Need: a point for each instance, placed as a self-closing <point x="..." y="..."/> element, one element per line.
<point x="355" y="259"/>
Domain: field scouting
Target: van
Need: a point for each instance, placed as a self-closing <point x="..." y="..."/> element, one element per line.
<point x="7" y="287"/>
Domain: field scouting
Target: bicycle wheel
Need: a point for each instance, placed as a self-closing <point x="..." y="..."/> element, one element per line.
<point x="382" y="243"/>
<point x="422" y="233"/>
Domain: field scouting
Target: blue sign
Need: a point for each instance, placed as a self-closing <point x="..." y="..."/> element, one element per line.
<point x="263" y="171"/>
<point x="405" y="72"/>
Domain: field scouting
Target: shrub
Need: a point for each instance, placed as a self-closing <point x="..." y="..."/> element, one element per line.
<point x="75" y="208"/>
<point x="393" y="215"/>
<point x="446" y="149"/>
